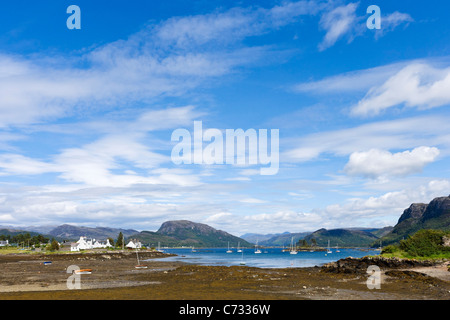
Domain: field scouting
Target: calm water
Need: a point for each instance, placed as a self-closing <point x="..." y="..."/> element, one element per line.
<point x="268" y="258"/>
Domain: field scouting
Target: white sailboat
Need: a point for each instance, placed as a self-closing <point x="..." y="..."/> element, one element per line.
<point x="238" y="248"/>
<point x="293" y="250"/>
<point x="256" y="248"/>
<point x="328" y="248"/>
<point x="337" y="249"/>
<point x="229" y="251"/>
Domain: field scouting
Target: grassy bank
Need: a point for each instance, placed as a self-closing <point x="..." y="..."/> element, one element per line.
<point x="423" y="245"/>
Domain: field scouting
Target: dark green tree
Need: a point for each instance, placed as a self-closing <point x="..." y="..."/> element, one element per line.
<point x="120" y="240"/>
<point x="54" y="245"/>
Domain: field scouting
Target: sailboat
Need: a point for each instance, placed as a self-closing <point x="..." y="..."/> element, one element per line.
<point x="256" y="247"/>
<point x="328" y="248"/>
<point x="337" y="249"/>
<point x="293" y="250"/>
<point x="238" y="248"/>
<point x="139" y="265"/>
<point x="229" y="251"/>
<point x="193" y="249"/>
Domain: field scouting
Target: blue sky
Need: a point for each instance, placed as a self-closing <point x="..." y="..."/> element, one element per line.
<point x="87" y="115"/>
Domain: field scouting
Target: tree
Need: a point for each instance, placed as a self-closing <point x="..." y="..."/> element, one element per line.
<point x="111" y="241"/>
<point x="54" y="245"/>
<point x="120" y="240"/>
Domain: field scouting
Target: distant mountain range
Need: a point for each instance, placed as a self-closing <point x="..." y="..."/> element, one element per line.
<point x="435" y="215"/>
<point x="69" y="232"/>
<point x="351" y="237"/>
<point x="275" y="240"/>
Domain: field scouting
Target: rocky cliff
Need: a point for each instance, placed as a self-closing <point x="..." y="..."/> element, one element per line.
<point x="435" y="215"/>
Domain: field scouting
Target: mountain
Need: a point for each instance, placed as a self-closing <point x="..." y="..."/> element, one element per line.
<point x="253" y="237"/>
<point x="15" y="232"/>
<point x="187" y="233"/>
<point x="71" y="232"/>
<point x="342" y="237"/>
<point x="435" y="215"/>
<point x="284" y="239"/>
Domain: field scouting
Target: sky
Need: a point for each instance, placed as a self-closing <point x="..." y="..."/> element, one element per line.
<point x="88" y="115"/>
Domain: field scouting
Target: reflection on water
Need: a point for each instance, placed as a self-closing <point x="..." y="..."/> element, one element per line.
<point x="269" y="258"/>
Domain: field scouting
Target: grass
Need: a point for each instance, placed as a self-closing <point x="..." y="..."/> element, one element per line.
<point x="15" y="250"/>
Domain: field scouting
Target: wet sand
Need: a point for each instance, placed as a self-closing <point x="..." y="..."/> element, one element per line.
<point x="114" y="277"/>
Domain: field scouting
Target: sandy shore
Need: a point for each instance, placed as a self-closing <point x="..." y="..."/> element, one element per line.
<point x="114" y="277"/>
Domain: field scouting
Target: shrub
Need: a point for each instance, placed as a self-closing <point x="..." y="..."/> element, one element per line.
<point x="424" y="243"/>
<point x="389" y="249"/>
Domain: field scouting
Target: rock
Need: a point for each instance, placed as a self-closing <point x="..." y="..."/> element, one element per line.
<point x="446" y="241"/>
<point x="415" y="211"/>
<point x="354" y="265"/>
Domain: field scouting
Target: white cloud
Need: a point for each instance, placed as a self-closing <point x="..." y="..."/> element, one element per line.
<point x="15" y="164"/>
<point x="408" y="133"/>
<point x="232" y="25"/>
<point x="142" y="68"/>
<point x="351" y="82"/>
<point x="392" y="21"/>
<point x="252" y="201"/>
<point x="380" y="163"/>
<point x="337" y="23"/>
<point x="343" y="22"/>
<point x="385" y="209"/>
<point x="416" y="85"/>
<point x="110" y="159"/>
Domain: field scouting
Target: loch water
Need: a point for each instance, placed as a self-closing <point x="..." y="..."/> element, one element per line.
<point x="268" y="258"/>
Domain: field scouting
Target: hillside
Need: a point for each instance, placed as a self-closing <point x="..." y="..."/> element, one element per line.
<point x="14" y="232"/>
<point x="253" y="237"/>
<point x="342" y="238"/>
<point x="71" y="232"/>
<point x="187" y="233"/>
<point x="435" y="215"/>
<point x="284" y="240"/>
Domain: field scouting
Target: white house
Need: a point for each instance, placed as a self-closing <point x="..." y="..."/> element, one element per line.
<point x="134" y="244"/>
<point x="4" y="243"/>
<point x="85" y="244"/>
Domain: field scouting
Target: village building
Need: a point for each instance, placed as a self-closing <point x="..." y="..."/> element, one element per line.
<point x="86" y="243"/>
<point x="134" y="244"/>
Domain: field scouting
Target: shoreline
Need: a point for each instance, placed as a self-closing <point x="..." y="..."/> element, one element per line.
<point x="114" y="277"/>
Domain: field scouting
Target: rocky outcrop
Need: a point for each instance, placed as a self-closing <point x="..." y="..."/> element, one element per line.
<point x="415" y="211"/>
<point x="354" y="265"/>
<point x="446" y="241"/>
<point x="435" y="215"/>
<point x="439" y="207"/>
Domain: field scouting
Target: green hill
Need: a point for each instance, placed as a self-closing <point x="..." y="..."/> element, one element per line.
<point x="342" y="238"/>
<point x="187" y="233"/>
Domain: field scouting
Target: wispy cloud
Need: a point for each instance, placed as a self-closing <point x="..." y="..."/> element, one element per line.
<point x="417" y="85"/>
<point x="337" y="23"/>
<point x="343" y="22"/>
<point x="107" y="160"/>
<point x="408" y="133"/>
